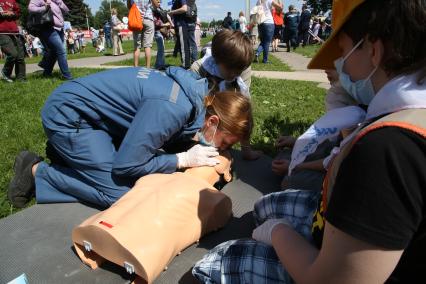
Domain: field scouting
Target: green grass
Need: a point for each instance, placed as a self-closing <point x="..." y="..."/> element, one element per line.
<point x="280" y="107"/>
<point x="274" y="65"/>
<point x="283" y="107"/>
<point x="20" y="123"/>
<point x="309" y="50"/>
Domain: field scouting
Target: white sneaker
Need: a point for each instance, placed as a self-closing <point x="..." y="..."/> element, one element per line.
<point x="4" y="77"/>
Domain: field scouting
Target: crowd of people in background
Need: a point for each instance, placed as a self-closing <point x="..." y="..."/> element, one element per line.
<point x="270" y="24"/>
<point x="275" y="26"/>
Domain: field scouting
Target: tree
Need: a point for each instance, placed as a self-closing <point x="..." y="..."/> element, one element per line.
<point x="204" y="25"/>
<point x="104" y="13"/>
<point x="319" y="5"/>
<point x="77" y="13"/>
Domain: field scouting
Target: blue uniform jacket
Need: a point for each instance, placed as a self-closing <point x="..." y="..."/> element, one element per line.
<point x="141" y="108"/>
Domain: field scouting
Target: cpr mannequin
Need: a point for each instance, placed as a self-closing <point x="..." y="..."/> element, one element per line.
<point x="158" y="218"/>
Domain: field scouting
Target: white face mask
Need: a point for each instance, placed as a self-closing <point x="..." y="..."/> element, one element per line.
<point x="362" y="90"/>
<point x="203" y="141"/>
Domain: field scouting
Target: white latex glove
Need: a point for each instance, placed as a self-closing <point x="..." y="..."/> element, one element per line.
<point x="263" y="233"/>
<point x="198" y="156"/>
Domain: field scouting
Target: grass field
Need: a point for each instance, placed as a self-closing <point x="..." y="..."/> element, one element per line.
<point x="280" y="106"/>
<point x="309" y="50"/>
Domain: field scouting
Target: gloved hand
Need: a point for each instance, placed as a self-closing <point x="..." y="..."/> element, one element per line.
<point x="198" y="156"/>
<point x="263" y="233"/>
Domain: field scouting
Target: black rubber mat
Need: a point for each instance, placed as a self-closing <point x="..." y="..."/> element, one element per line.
<point x="37" y="241"/>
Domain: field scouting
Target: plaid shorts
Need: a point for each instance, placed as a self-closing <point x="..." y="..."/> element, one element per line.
<point x="249" y="261"/>
<point x="296" y="206"/>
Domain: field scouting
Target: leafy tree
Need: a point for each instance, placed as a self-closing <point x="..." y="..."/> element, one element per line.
<point x="104" y="13"/>
<point x="77" y="13"/>
<point x="23" y="5"/>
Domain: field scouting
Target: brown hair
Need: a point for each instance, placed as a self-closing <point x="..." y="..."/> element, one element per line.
<point x="114" y="11"/>
<point x="232" y="49"/>
<point x="241" y="13"/>
<point x="234" y="112"/>
<point x="400" y="25"/>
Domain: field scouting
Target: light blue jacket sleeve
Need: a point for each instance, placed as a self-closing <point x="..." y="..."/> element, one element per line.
<point x="155" y="122"/>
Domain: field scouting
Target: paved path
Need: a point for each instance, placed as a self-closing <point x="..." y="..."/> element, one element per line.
<point x="299" y="64"/>
<point x="296" y="62"/>
<point x="88" y="62"/>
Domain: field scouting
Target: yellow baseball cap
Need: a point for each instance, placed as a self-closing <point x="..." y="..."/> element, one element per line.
<point x="330" y="51"/>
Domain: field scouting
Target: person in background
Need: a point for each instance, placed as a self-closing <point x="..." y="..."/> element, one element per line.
<point x="198" y="33"/>
<point x="277" y="14"/>
<point x="77" y="47"/>
<point x="94" y="36"/>
<point x="108" y="36"/>
<point x="161" y="30"/>
<point x="143" y="39"/>
<point x="254" y="30"/>
<point x="37" y="46"/>
<point x="52" y="38"/>
<point x="185" y="27"/>
<point x="227" y="21"/>
<point x="291" y="20"/>
<point x="315" y="30"/>
<point x="243" y="22"/>
<point x="70" y="41"/>
<point x="266" y="28"/>
<point x="304" y="25"/>
<point x="82" y="41"/>
<point x="11" y="43"/>
<point x="117" y="48"/>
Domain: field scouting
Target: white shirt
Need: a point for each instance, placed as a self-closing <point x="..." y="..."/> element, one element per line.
<point x="243" y="23"/>
<point x="37" y="43"/>
<point x="267" y="9"/>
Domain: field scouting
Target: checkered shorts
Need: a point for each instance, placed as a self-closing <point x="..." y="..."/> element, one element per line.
<point x="249" y="261"/>
<point x="296" y="206"/>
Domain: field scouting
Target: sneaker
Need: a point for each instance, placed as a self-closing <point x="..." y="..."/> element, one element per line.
<point x="5" y="78"/>
<point x="22" y="186"/>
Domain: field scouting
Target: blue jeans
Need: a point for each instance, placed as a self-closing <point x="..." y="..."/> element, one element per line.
<point x="108" y="41"/>
<point x="160" y="62"/>
<point x="192" y="42"/>
<point x="186" y="36"/>
<point x="266" y="32"/>
<point x="53" y="41"/>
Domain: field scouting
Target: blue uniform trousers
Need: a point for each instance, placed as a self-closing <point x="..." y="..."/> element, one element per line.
<point x="88" y="155"/>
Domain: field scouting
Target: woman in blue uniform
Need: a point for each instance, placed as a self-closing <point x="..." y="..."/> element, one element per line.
<point x="108" y="129"/>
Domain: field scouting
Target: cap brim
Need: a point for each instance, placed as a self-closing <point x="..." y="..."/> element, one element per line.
<point x="330" y="50"/>
<point x="327" y="54"/>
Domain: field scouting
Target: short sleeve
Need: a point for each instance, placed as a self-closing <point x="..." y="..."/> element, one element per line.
<point x="379" y="192"/>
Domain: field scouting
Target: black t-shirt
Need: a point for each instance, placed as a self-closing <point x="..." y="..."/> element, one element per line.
<point x="380" y="197"/>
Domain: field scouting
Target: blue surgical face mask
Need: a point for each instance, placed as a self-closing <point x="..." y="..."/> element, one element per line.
<point x="203" y="141"/>
<point x="362" y="90"/>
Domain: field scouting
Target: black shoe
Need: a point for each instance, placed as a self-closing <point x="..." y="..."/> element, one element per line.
<point x="256" y="59"/>
<point x="22" y="186"/>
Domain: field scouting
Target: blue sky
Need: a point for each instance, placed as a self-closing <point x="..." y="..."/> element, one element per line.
<point x="209" y="9"/>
